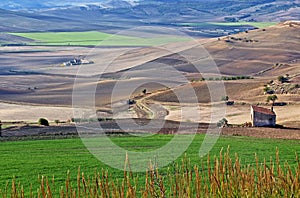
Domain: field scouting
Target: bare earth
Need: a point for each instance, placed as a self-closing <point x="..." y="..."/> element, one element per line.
<point x="169" y="128"/>
<point x="28" y="113"/>
<point x="288" y="116"/>
<point x="33" y="83"/>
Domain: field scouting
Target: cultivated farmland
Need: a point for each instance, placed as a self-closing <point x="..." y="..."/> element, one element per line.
<point x="93" y="38"/>
<point x="26" y="161"/>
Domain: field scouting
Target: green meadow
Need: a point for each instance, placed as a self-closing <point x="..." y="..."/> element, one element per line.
<point x="93" y="38"/>
<point x="28" y="160"/>
<point x="254" y="24"/>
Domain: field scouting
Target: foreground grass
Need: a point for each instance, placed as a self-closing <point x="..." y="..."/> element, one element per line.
<point x="93" y="38"/>
<point x="27" y="161"/>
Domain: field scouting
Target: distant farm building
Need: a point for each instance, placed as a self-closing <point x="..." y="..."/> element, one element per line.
<point x="263" y="117"/>
<point x="77" y="61"/>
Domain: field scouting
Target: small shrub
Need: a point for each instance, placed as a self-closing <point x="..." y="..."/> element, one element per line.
<point x="229" y="103"/>
<point x="247" y="124"/>
<point x="225" y="98"/>
<point x="282" y="79"/>
<point x="222" y="123"/>
<point x="131" y="102"/>
<point x="43" y="122"/>
<point x="268" y="90"/>
<point x="271" y="82"/>
<point x="56" y="122"/>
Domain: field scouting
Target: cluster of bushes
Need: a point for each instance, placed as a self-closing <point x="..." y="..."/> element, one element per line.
<point x="282" y="85"/>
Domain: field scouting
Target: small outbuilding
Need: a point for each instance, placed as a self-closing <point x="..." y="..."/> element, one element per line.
<point x="263" y="117"/>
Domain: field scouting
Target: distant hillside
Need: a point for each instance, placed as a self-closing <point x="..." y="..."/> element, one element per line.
<point x="118" y="14"/>
<point x="270" y="51"/>
<point x="267" y="52"/>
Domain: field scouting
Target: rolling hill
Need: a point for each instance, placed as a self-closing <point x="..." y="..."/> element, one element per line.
<point x="31" y="74"/>
<point x="116" y="15"/>
<point x="263" y="54"/>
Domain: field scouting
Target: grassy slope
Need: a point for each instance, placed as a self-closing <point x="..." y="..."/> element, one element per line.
<point x="93" y="38"/>
<point x="254" y="24"/>
<point x="27" y="159"/>
<point x="234" y="24"/>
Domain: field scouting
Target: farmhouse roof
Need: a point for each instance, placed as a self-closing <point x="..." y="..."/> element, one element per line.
<point x="263" y="110"/>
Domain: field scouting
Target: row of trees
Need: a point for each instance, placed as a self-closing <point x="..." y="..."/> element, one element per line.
<point x="272" y="98"/>
<point x="223" y="78"/>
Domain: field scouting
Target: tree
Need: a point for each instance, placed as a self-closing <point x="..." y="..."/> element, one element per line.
<point x="43" y="122"/>
<point x="272" y="98"/>
<point x="144" y="91"/>
<point x="281" y="79"/>
<point x="223" y="123"/>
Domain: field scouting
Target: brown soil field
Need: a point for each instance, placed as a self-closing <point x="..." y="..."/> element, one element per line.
<point x="247" y="89"/>
<point x="33" y="78"/>
<point x="170" y="127"/>
<point x="265" y="47"/>
<point x="272" y="133"/>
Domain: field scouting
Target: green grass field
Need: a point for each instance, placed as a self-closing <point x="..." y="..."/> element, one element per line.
<point x="254" y="24"/>
<point x="93" y="38"/>
<point x="26" y="160"/>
